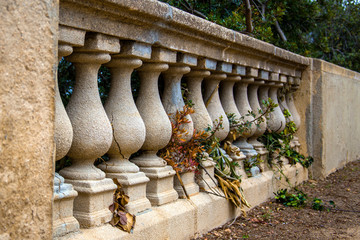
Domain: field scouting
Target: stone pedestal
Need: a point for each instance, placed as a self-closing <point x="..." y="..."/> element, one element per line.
<point x="64" y="194"/>
<point x="92" y="133"/>
<point x="63" y="219"/>
<point x="228" y="103"/>
<point x="128" y="134"/>
<point x="242" y="103"/>
<point x="294" y="85"/>
<point x="160" y="189"/>
<point x="206" y="177"/>
<point x="188" y="179"/>
<point x="201" y="119"/>
<point x="173" y="102"/>
<point x="254" y="103"/>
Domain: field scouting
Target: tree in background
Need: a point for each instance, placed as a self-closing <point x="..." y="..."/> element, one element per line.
<point x="325" y="29"/>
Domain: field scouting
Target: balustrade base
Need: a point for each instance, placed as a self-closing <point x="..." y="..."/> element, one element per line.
<point x="64" y="226"/>
<point x="246" y="148"/>
<point x="183" y="219"/>
<point x="188" y="179"/>
<point x="249" y="153"/>
<point x="264" y="155"/>
<point x="284" y="160"/>
<point x="63" y="219"/>
<point x="160" y="189"/>
<point x="91" y="207"/>
<point x="205" y="181"/>
<point x="134" y="185"/>
<point x="239" y="159"/>
<point x="296" y="143"/>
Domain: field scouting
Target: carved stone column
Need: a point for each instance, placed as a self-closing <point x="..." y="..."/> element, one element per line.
<point x="172" y="98"/>
<point x="283" y="105"/>
<point x="212" y="99"/>
<point x="282" y="99"/>
<point x="201" y="117"/>
<point x="92" y="133"/>
<point x="172" y="101"/>
<point x="294" y="85"/>
<point x="228" y="103"/>
<point x="64" y="194"/>
<point x="128" y="126"/>
<point x="160" y="189"/>
<point x="276" y="122"/>
<point x="254" y="103"/>
<point x="243" y="105"/>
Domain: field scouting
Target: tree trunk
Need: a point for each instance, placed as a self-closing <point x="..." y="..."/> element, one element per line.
<point x="249" y="27"/>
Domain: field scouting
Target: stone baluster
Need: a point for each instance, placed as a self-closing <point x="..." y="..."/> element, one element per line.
<point x="212" y="99"/>
<point x="64" y="194"/>
<point x="201" y="117"/>
<point x="282" y="97"/>
<point x="128" y="126"/>
<point x="282" y="92"/>
<point x="228" y="103"/>
<point x="243" y="105"/>
<point x="92" y="133"/>
<point x="294" y="85"/>
<point x="261" y="128"/>
<point x="276" y="122"/>
<point x="173" y="101"/>
<point x="172" y="97"/>
<point x="160" y="189"/>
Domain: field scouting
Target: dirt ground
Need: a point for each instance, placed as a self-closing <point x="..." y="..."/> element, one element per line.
<point x="274" y="221"/>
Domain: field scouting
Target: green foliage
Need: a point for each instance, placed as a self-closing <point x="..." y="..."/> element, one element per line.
<point x="296" y="200"/>
<point x="318" y="204"/>
<point x="242" y="125"/>
<point x="279" y="144"/>
<point x="224" y="165"/>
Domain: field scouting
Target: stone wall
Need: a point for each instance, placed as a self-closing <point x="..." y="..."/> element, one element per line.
<point x="28" y="50"/>
<point x="330" y="100"/>
<point x="336" y="126"/>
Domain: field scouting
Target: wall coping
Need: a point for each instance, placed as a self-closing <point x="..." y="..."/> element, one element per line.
<point x="328" y="67"/>
<point x="159" y="24"/>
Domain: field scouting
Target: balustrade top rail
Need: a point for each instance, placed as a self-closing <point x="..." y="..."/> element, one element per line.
<point x="156" y="23"/>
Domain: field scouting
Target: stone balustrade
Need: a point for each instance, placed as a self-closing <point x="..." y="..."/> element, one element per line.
<point x="224" y="73"/>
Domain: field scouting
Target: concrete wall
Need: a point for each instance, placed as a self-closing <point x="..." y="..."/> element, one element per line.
<point x="328" y="102"/>
<point x="28" y="52"/>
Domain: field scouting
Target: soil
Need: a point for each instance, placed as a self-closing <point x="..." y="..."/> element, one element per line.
<point x="273" y="220"/>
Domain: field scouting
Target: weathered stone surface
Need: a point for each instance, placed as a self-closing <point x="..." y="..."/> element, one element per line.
<point x="128" y="133"/>
<point x="160" y="189"/>
<point x="28" y="62"/>
<point x="328" y="109"/>
<point x="212" y="100"/>
<point x="154" y="22"/>
<point x="184" y="219"/>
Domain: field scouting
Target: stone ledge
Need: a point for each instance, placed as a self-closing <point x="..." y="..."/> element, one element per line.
<point x="321" y="65"/>
<point x="184" y="219"/>
<point x="157" y="23"/>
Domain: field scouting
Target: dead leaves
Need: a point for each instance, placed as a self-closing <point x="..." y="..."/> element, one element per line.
<point x="121" y="219"/>
<point x="179" y="153"/>
<point x="231" y="150"/>
<point x="233" y="192"/>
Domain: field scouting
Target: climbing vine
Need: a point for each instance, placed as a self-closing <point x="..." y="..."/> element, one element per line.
<point x="279" y="145"/>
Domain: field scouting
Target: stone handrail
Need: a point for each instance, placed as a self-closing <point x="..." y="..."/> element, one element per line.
<point x="155" y="39"/>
